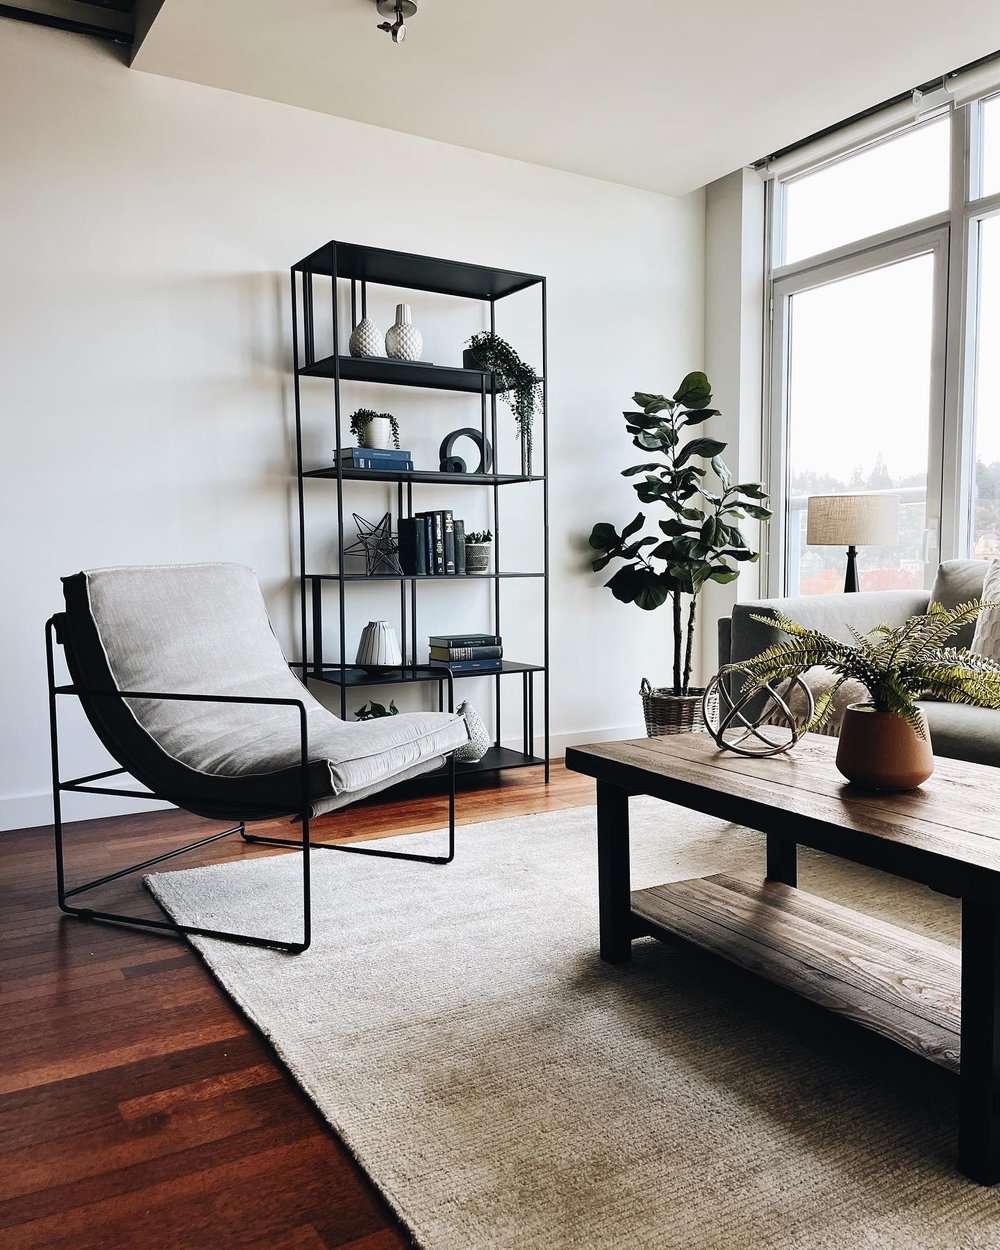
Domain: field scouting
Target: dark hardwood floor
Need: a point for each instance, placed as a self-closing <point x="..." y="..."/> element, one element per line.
<point x="137" y="1108"/>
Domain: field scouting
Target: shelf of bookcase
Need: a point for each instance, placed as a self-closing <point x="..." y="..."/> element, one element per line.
<point x="495" y="759"/>
<point x="354" y="676"/>
<point x="414" y="577"/>
<point x="386" y="267"/>
<point x="388" y="372"/>
<point x="422" y="475"/>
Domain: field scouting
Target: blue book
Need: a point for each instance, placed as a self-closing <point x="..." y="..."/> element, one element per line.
<point x="388" y="454"/>
<point x="469" y="666"/>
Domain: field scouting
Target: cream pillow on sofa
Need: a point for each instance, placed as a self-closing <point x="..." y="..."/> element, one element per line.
<point x="986" y="639"/>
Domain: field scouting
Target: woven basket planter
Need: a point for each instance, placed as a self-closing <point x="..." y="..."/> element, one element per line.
<point x="669" y="713"/>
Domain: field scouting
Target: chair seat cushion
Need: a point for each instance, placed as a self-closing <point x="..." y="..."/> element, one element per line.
<point x="204" y="629"/>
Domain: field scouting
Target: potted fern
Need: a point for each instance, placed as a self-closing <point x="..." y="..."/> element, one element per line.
<point x="885" y="743"/>
<point x="699" y="538"/>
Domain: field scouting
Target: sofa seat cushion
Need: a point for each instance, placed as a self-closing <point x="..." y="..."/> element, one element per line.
<point x="204" y="629"/>
<point x="961" y="732"/>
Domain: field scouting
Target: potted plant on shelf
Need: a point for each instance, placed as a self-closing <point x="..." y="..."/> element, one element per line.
<point x="519" y="384"/>
<point x="885" y="744"/>
<point x="375" y="429"/>
<point x="699" y="539"/>
<point x="477" y="551"/>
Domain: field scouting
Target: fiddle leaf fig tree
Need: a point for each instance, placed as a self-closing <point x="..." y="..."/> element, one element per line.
<point x="699" y="539"/>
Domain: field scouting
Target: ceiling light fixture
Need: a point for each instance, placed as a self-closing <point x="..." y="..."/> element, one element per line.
<point x="398" y="10"/>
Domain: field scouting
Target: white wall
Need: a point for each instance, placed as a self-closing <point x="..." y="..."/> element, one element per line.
<point x="734" y="345"/>
<point x="146" y="230"/>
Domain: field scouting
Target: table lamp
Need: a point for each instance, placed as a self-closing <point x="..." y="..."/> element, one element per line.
<point x="852" y="521"/>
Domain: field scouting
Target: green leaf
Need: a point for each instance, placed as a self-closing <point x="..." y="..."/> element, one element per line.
<point x="708" y="530"/>
<point x="706" y="447"/>
<point x="720" y="573"/>
<point x="648" y="440"/>
<point x="695" y="418"/>
<point x="695" y="391"/>
<point x="633" y="526"/>
<point x="651" y="403"/>
<point x="602" y="562"/>
<point x="604" y="537"/>
<point x="633" y="549"/>
<point x="673" y="527"/>
<point x="650" y="490"/>
<point x="651" y="593"/>
<point x="753" y="510"/>
<point x="722" y="472"/>
<point x="751" y="490"/>
<point x="642" y="420"/>
<point x="640" y="468"/>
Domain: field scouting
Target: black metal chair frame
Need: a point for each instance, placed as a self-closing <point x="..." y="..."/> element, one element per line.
<point x="85" y="785"/>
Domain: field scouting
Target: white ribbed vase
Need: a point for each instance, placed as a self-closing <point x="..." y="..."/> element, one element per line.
<point x="366" y="339"/>
<point x="403" y="341"/>
<point x="379" y="647"/>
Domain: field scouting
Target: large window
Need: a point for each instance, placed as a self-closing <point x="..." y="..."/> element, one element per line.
<point x="885" y="304"/>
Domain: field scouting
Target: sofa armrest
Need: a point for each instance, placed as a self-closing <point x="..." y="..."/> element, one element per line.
<point x="830" y="613"/>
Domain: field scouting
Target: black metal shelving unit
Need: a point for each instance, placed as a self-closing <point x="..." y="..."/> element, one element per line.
<point x="338" y="262"/>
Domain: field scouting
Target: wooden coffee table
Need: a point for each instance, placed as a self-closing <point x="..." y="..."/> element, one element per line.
<point x="931" y="998"/>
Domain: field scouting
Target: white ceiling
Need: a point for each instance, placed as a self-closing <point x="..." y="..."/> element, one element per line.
<point x="661" y="94"/>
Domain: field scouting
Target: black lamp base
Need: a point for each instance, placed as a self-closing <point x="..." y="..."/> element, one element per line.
<point x="851" y="578"/>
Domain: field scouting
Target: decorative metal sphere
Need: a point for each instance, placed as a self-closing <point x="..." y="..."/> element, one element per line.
<point x="773" y="727"/>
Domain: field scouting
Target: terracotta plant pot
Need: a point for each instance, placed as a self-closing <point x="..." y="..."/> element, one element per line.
<point x="880" y="751"/>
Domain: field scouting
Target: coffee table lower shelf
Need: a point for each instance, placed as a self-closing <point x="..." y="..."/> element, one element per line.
<point x="887" y="979"/>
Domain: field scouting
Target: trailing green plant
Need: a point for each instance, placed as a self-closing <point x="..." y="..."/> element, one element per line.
<point x="373" y="710"/>
<point x="700" y="539"/>
<point x="361" y="420"/>
<point x="896" y="666"/>
<point x="518" y="382"/>
<point x="479" y="536"/>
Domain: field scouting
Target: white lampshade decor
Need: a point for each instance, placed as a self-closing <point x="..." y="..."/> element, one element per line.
<point x="379" y="647"/>
<point x="852" y="521"/>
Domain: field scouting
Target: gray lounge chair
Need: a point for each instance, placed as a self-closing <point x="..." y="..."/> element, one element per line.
<point x="182" y="679"/>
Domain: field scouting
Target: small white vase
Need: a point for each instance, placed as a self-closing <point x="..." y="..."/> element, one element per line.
<point x="366" y="339"/>
<point x="379" y="647"/>
<point x="377" y="434"/>
<point x="403" y="341"/>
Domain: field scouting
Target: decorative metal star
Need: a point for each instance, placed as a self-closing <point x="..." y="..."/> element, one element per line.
<point x="378" y="544"/>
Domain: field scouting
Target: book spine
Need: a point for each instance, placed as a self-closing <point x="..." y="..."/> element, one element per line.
<point x="469" y="666"/>
<point x="448" y="528"/>
<point x="460" y="548"/>
<point x="465" y="640"/>
<point x="375" y="453"/>
<point x="466" y="653"/>
<point x="437" y="527"/>
<point x="397" y="466"/>
<point x="412" y="554"/>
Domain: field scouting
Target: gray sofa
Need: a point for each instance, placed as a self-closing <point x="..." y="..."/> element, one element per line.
<point x="957" y="732"/>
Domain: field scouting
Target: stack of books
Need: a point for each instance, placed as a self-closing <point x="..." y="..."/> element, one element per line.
<point x="385" y="458"/>
<point x="467" y="653"/>
<point x="432" y="544"/>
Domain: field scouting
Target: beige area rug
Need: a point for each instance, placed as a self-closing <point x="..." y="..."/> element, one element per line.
<point x="505" y="1089"/>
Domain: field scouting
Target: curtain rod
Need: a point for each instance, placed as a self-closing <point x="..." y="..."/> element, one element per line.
<point x="903" y="96"/>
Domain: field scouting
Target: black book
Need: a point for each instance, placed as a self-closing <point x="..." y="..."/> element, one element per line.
<point x="469" y="666"/>
<point x="460" y="547"/>
<point x="464" y="640"/>
<point x="435" y="564"/>
<point x="466" y="653"/>
<point x="412" y="547"/>
<point x="448" y="526"/>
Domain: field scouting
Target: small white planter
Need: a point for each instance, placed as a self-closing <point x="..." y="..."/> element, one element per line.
<point x="377" y="434"/>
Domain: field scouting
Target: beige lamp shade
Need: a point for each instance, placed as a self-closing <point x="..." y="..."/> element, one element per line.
<point x="852" y="520"/>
